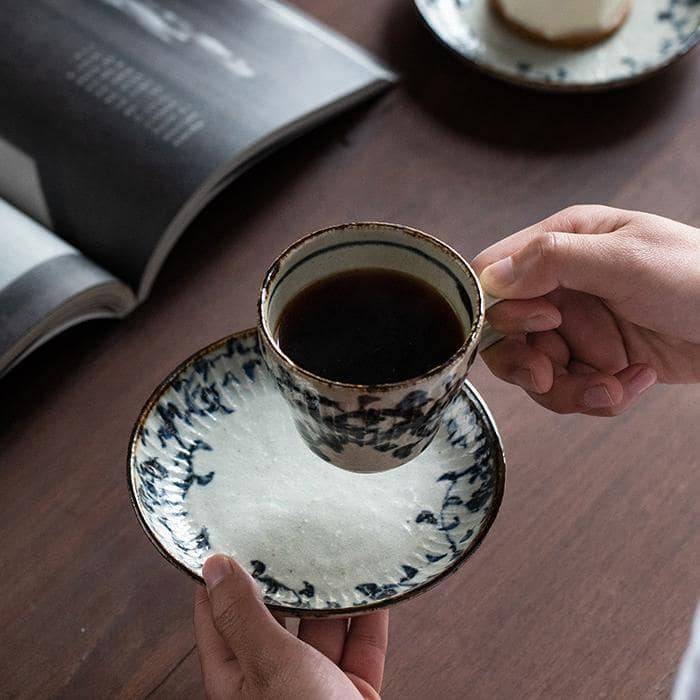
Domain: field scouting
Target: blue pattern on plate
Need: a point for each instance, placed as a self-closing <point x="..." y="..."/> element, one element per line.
<point x="169" y="456"/>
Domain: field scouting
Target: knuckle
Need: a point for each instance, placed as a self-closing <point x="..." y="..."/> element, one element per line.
<point x="551" y="245"/>
<point x="575" y="212"/>
<point x="570" y="218"/>
<point x="585" y="218"/>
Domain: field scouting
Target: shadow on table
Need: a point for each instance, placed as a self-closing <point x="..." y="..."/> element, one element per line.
<point x="512" y="117"/>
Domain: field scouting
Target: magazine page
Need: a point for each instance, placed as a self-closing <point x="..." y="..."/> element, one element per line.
<point x="46" y="286"/>
<point x="123" y="110"/>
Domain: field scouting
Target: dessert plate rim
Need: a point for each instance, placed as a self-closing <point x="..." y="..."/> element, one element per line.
<point x="549" y="84"/>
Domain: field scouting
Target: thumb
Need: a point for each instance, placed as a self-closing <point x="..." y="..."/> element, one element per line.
<point x="240" y="616"/>
<point x="584" y="262"/>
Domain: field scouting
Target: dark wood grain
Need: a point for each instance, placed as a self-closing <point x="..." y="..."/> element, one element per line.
<point x="183" y="682"/>
<point x="585" y="586"/>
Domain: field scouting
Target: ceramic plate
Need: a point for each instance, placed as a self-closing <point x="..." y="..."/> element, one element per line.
<point x="655" y="33"/>
<point x="215" y="465"/>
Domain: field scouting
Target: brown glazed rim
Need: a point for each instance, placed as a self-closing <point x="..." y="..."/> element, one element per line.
<point x="471" y="338"/>
<point x="496" y="500"/>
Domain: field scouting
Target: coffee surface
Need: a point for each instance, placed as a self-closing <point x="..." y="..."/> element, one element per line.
<point x="371" y="326"/>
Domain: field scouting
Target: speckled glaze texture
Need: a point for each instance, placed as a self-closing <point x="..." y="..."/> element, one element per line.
<point x="655" y="33"/>
<point x="373" y="427"/>
<point x="215" y="465"/>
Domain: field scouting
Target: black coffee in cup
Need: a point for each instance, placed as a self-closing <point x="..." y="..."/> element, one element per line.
<point x="369" y="326"/>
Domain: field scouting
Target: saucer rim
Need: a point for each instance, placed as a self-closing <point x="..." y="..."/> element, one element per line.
<point x="554" y="86"/>
<point x="363" y="608"/>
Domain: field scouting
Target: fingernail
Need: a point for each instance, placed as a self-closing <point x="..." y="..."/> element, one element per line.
<point x="523" y="378"/>
<point x="500" y="274"/>
<point x="215" y="568"/>
<point x="597" y="397"/>
<point x="641" y="381"/>
<point x="540" y="322"/>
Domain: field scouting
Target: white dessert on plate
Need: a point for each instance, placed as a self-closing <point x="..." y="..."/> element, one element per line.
<point x="564" y="22"/>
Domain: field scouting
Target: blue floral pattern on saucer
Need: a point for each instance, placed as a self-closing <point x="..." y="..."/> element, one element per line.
<point x="215" y="464"/>
<point x="655" y="33"/>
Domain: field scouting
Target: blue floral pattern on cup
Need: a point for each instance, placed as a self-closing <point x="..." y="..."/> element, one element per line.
<point x="370" y="428"/>
<point x="401" y="427"/>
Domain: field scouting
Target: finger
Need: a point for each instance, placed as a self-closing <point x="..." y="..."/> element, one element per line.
<point x="584" y="262"/>
<point x="524" y="316"/>
<point x="576" y="367"/>
<point x="635" y="380"/>
<point x="518" y="363"/>
<point x="593" y="393"/>
<point x="240" y="616"/>
<point x="586" y="218"/>
<point x="592" y="332"/>
<point x="365" y="647"/>
<point x="209" y="642"/>
<point x="552" y="345"/>
<point x="220" y="669"/>
<point x="328" y="636"/>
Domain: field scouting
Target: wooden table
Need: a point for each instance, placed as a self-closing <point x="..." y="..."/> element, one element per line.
<point x="586" y="584"/>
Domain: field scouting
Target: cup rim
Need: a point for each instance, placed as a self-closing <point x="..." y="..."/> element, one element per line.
<point x="273" y="272"/>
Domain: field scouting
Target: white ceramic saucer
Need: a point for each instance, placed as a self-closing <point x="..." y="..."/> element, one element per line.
<point x="655" y="33"/>
<point x="215" y="465"/>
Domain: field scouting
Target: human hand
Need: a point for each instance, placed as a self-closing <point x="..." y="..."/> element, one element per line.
<point x="245" y="652"/>
<point x="603" y="304"/>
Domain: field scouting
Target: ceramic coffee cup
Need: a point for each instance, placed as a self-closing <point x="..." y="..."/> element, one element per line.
<point x="371" y="428"/>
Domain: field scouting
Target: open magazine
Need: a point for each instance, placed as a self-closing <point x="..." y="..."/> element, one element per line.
<point x="120" y="119"/>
